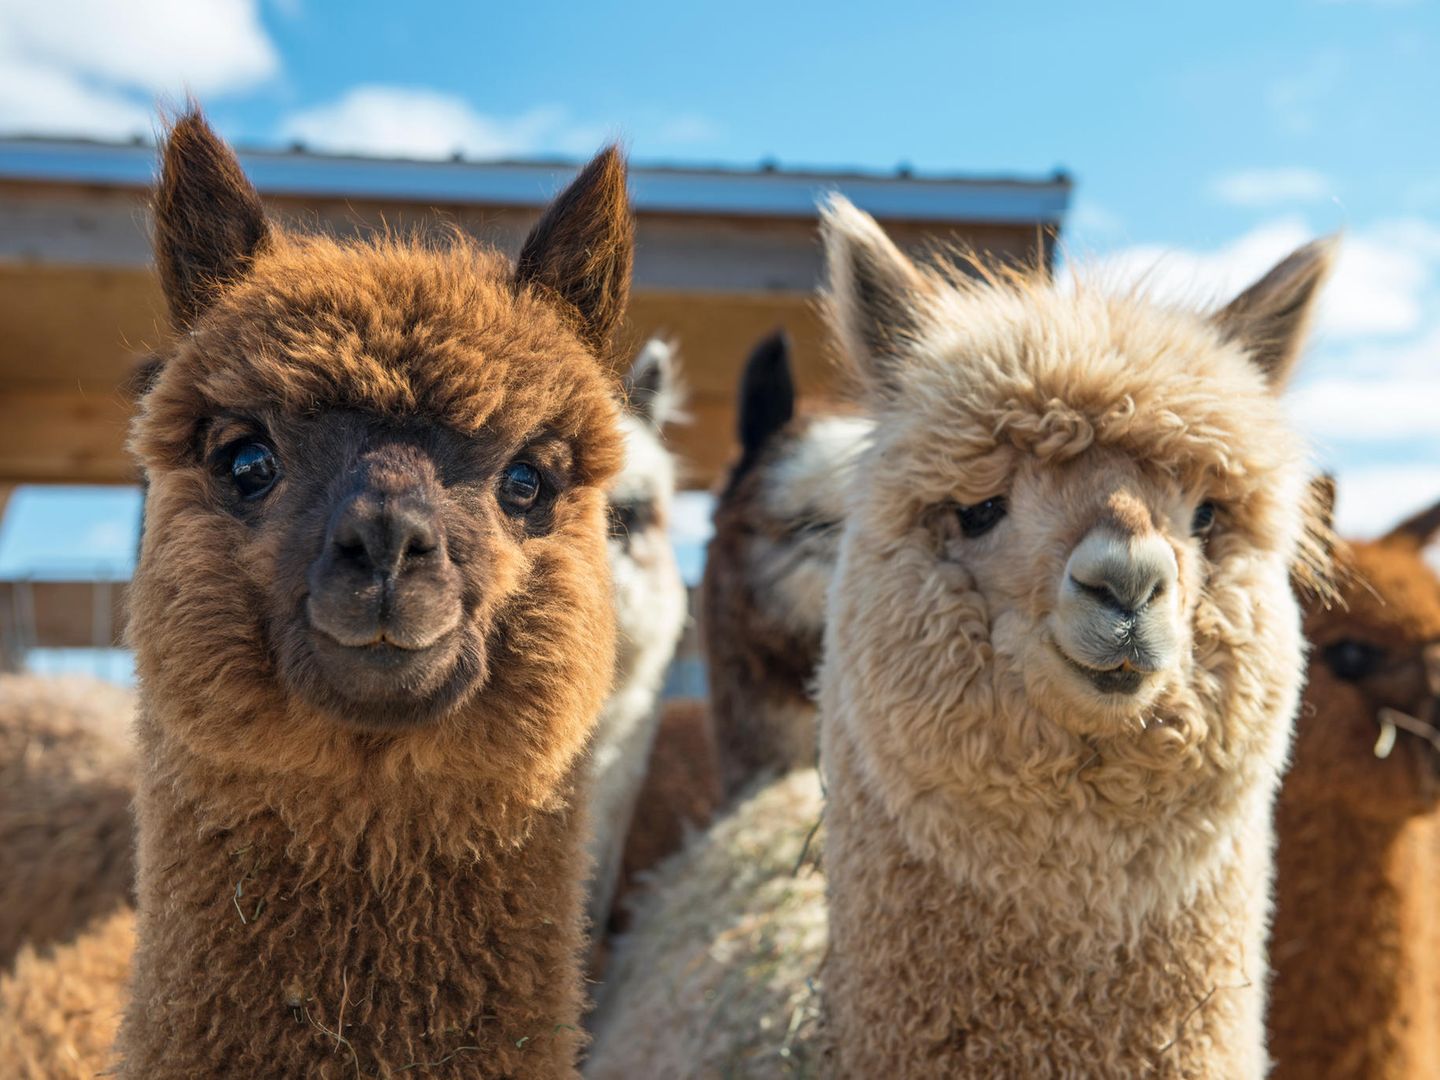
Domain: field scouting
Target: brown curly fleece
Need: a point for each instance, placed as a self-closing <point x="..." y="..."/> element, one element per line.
<point x="67" y="775"/>
<point x="777" y="528"/>
<point x="316" y="897"/>
<point x="1355" y="945"/>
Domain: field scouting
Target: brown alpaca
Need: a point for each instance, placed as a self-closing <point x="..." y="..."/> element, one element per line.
<point x="373" y="627"/>
<point x="1355" y="945"/>
<point x="67" y="775"/>
<point x="1062" y="658"/>
<point x="763" y="595"/>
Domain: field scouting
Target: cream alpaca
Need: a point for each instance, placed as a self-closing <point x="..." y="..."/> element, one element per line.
<point x="1060" y="671"/>
<point x="650" y="615"/>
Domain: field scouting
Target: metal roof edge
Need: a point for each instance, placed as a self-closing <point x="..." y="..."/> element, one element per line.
<point x="764" y="192"/>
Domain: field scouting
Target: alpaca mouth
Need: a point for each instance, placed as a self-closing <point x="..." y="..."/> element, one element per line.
<point x="1125" y="678"/>
<point x="384" y="684"/>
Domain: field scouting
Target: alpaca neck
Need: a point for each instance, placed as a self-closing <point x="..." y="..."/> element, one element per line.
<point x="760" y="677"/>
<point x="620" y="755"/>
<point x="267" y="945"/>
<point x="1354" y="943"/>
<point x="933" y="974"/>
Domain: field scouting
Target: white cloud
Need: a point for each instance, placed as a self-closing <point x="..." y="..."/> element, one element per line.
<point x="159" y="46"/>
<point x="1364" y="406"/>
<point x="39" y="100"/>
<point x="398" y="121"/>
<point x="94" y="67"/>
<point x="1368" y="393"/>
<point x="1370" y="500"/>
<point x="1271" y="187"/>
<point x="1382" y="283"/>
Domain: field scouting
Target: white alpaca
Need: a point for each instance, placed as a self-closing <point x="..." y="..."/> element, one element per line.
<point x="650" y="608"/>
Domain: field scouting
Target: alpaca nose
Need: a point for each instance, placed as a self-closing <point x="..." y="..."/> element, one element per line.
<point x="383" y="574"/>
<point x="382" y="535"/>
<point x="1122" y="573"/>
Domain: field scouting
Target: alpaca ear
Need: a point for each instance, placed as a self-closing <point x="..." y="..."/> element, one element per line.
<point x="1322" y="501"/>
<point x="1318" y="570"/>
<point x="582" y="248"/>
<point x="1271" y="317"/>
<point x="1418" y="530"/>
<point x="209" y="223"/>
<point x="652" y="385"/>
<point x="767" y="395"/>
<point x="875" y="296"/>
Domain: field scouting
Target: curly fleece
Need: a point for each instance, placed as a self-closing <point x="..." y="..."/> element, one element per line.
<point x="320" y="900"/>
<point x="1024" y="881"/>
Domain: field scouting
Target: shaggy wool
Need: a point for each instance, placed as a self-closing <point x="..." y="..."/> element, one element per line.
<point x="67" y="776"/>
<point x="762" y="598"/>
<point x="678" y="799"/>
<point x="321" y="897"/>
<point x="1356" y="940"/>
<point x="716" y="977"/>
<point x="1027" y="876"/>
<point x="61" y="1005"/>
<point x="650" y="612"/>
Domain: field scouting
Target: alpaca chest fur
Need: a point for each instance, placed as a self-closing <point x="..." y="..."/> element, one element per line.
<point x="930" y="976"/>
<point x="263" y="951"/>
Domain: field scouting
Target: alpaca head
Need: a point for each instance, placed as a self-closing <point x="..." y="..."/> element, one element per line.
<point x="374" y="527"/>
<point x="778" y="518"/>
<point x="1069" y="541"/>
<point x="649" y="592"/>
<point x="1375" y="663"/>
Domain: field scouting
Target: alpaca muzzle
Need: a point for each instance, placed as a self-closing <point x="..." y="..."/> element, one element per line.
<point x="383" y="593"/>
<point x="1116" y="620"/>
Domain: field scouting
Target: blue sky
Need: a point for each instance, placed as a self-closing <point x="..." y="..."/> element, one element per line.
<point x="1205" y="139"/>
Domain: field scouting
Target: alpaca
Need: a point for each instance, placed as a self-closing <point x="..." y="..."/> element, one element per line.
<point x="678" y="798"/>
<point x="374" y="629"/>
<point x="1061" y="662"/>
<point x="715" y="979"/>
<point x="1356" y="989"/>
<point x="763" y="594"/>
<point x="650" y="609"/>
<point x="60" y="1007"/>
<point x="66" y="781"/>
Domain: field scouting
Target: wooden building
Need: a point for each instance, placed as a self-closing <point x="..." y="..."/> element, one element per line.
<point x="723" y="257"/>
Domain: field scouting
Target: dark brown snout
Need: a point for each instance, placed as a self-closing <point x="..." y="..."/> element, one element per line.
<point x="384" y="596"/>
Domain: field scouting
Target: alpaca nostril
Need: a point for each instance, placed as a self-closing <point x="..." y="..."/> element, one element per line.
<point x="1102" y="595"/>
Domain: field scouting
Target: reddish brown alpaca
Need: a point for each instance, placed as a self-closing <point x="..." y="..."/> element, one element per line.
<point x="1356" y="940"/>
<point x="373" y="629"/>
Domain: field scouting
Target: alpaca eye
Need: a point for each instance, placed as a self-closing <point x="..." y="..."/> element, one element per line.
<point x="253" y="469"/>
<point x="1351" y="660"/>
<point x="1204" y="519"/>
<point x="519" y="487"/>
<point x="979" y="519"/>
